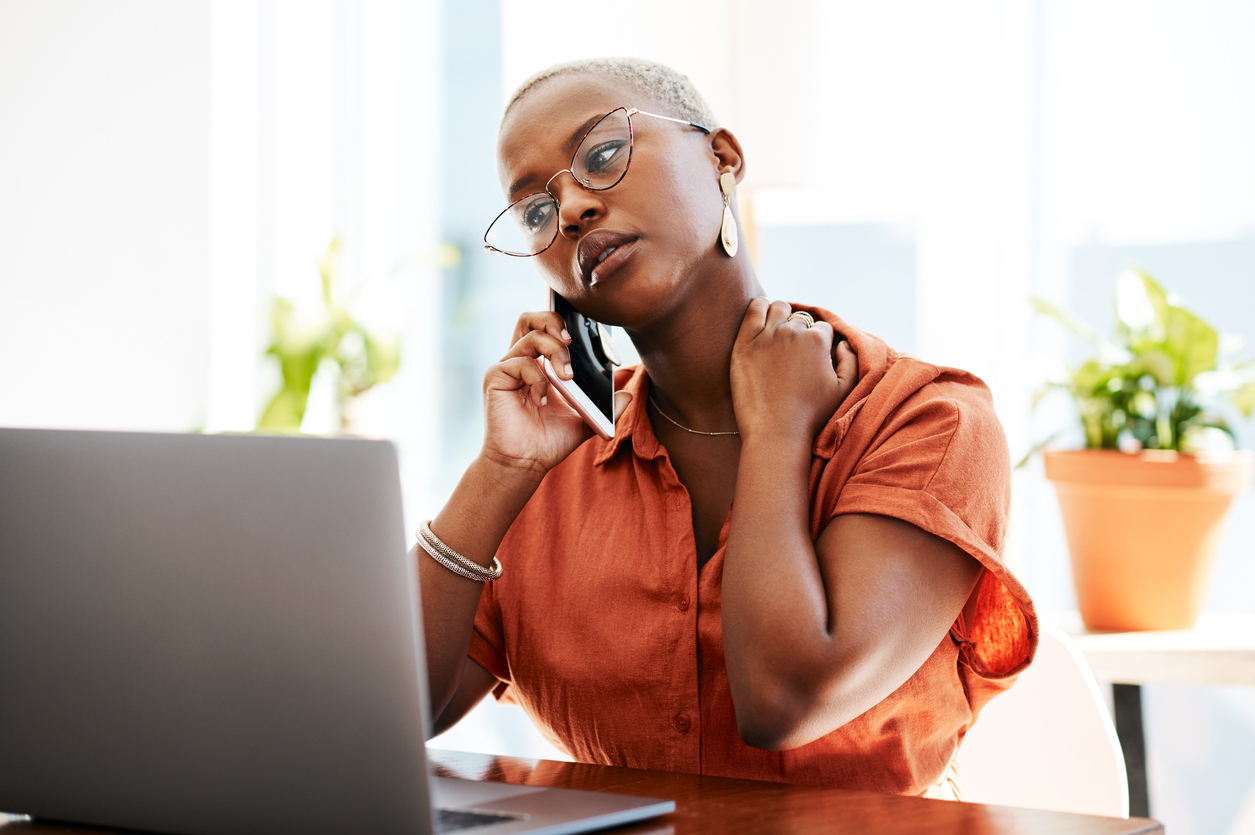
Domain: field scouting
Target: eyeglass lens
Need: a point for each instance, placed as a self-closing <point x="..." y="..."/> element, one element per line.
<point x="530" y="225"/>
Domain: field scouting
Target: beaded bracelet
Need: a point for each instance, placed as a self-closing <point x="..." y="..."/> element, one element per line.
<point x="452" y="560"/>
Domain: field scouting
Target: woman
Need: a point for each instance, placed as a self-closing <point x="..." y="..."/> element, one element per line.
<point x="787" y="564"/>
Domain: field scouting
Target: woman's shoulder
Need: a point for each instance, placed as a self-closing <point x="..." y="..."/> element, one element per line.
<point x="913" y="386"/>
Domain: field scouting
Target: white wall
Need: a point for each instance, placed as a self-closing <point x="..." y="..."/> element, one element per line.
<point x="166" y="167"/>
<point x="1149" y="119"/>
<point x="104" y="151"/>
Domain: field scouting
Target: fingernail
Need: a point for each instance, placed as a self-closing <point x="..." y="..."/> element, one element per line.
<point x="567" y="368"/>
<point x="544" y="400"/>
<point x="566" y="335"/>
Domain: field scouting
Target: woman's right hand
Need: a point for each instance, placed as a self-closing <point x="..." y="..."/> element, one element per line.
<point x="527" y="430"/>
<point x="526" y="425"/>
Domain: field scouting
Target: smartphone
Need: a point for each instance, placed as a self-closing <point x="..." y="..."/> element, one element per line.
<point x="593" y="361"/>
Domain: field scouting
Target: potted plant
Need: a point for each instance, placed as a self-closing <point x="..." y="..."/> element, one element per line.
<point x="327" y="334"/>
<point x="1145" y="502"/>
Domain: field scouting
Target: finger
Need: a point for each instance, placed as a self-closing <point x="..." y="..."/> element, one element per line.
<point x="521" y="374"/>
<point x="822" y="331"/>
<point x="622" y="400"/>
<point x="778" y="313"/>
<point x="754" y="319"/>
<point x="541" y="320"/>
<point x="806" y="320"/>
<point x="847" y="366"/>
<point x="537" y="344"/>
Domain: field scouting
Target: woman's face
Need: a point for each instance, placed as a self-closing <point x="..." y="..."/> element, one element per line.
<point x="663" y="217"/>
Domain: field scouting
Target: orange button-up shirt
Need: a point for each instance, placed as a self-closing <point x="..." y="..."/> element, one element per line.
<point x="606" y="633"/>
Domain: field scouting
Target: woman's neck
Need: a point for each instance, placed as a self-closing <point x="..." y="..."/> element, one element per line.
<point x="688" y="355"/>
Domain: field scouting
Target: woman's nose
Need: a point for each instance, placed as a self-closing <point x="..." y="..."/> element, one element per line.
<point x="577" y="206"/>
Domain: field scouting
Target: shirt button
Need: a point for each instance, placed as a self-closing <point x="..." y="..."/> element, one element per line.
<point x="674" y="502"/>
<point x="684" y="603"/>
<point x="682" y="723"/>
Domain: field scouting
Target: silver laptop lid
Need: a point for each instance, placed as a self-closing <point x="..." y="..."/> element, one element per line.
<point x="208" y="634"/>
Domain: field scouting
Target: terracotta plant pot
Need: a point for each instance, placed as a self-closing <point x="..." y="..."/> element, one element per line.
<point x="1143" y="531"/>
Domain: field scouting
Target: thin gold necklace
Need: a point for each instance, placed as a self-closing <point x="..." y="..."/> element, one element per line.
<point x="682" y="426"/>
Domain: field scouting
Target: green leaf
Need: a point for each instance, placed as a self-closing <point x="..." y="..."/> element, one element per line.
<point x="1192" y="345"/>
<point x="285" y="411"/>
<point x="1157" y="364"/>
<point x="1092" y="378"/>
<point x="1191" y="342"/>
<point x="328" y="265"/>
<point x="1143" y="404"/>
<point x="1097" y="421"/>
<point x="1155" y="388"/>
<point x="383" y="357"/>
<point x="281" y="312"/>
<point x="1244" y="399"/>
<point x="303" y="339"/>
<point x="1140" y="303"/>
<point x="1073" y="323"/>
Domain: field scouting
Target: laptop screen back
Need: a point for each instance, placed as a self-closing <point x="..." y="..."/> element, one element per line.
<point x="208" y="634"/>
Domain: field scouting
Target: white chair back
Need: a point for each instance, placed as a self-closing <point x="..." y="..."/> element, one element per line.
<point x="1048" y="742"/>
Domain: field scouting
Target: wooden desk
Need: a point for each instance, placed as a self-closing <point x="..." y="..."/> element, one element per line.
<point x="720" y="805"/>
<point x="747" y="807"/>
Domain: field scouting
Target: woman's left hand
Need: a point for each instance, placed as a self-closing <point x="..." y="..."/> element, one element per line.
<point x="787" y="379"/>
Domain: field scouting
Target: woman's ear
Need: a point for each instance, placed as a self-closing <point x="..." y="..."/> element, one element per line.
<point x="727" y="153"/>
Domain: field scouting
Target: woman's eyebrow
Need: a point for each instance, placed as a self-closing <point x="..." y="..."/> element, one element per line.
<point x="568" y="146"/>
<point x="579" y="132"/>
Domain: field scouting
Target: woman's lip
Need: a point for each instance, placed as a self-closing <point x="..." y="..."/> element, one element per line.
<point x="613" y="261"/>
<point x="595" y="244"/>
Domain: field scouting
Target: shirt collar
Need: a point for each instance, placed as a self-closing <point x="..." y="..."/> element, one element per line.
<point x="634" y="423"/>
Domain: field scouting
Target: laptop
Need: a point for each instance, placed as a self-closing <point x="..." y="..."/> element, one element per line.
<point x="209" y="634"/>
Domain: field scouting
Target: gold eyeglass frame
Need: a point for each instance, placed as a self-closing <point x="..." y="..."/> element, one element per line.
<point x="629" y="112"/>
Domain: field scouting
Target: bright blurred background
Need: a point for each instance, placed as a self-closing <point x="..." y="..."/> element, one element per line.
<point x="167" y="167"/>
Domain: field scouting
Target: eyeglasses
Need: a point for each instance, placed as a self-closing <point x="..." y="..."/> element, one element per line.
<point x="530" y="225"/>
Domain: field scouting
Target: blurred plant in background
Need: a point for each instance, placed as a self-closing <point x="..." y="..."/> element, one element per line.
<point x="306" y="338"/>
<point x="1151" y="388"/>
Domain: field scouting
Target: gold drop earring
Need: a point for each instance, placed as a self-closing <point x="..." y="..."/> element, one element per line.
<point x="727" y="232"/>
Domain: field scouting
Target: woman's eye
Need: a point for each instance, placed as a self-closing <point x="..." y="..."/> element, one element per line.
<point x="537" y="214"/>
<point x="604" y="155"/>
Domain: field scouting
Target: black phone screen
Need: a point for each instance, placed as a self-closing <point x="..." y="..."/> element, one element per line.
<point x="593" y="375"/>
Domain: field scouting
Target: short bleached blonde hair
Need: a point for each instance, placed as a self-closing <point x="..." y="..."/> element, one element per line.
<point x="657" y="81"/>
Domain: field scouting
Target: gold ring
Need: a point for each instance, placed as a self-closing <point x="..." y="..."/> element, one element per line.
<point x="806" y="318"/>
